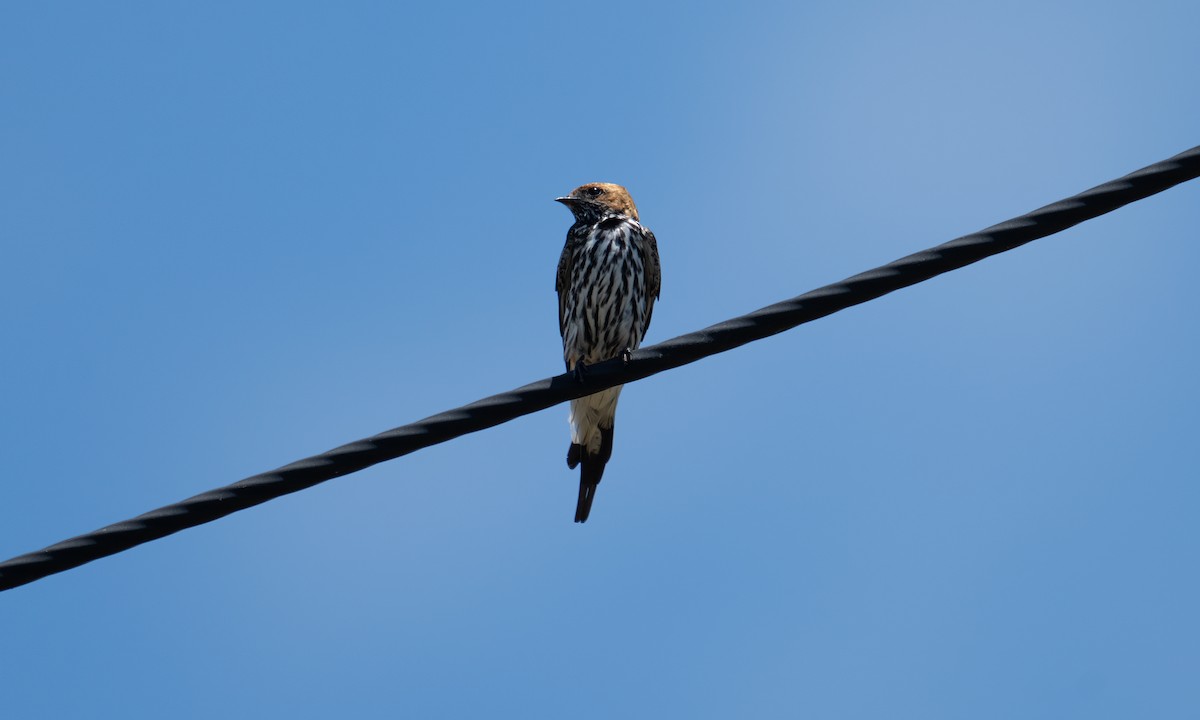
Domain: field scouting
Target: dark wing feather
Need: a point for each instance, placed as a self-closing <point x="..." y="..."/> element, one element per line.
<point x="562" y="284"/>
<point x="653" y="272"/>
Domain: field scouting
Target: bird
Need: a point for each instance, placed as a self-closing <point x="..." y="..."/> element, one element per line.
<point x="608" y="280"/>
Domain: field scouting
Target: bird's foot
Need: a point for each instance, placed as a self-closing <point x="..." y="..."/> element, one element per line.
<point x="580" y="372"/>
<point x="626" y="355"/>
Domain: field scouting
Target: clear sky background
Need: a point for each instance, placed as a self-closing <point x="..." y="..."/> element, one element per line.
<point x="236" y="234"/>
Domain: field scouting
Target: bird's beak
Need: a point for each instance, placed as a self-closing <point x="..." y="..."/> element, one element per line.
<point x="568" y="201"/>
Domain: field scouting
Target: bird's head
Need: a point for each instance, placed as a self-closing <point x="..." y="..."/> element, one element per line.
<point x="594" y="201"/>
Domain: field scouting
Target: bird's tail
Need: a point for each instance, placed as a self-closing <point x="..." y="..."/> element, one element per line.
<point x="590" y="471"/>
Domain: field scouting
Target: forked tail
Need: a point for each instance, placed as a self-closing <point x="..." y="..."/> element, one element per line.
<point x="591" y="469"/>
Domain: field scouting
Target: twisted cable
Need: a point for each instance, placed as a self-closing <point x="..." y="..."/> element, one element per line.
<point x="648" y="361"/>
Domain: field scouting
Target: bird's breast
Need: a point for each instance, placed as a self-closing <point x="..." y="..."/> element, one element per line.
<point x="606" y="306"/>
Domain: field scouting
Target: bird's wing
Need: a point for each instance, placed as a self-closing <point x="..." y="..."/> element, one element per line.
<point x="653" y="272"/>
<point x="562" y="284"/>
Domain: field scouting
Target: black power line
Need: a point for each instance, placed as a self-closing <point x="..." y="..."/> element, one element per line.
<point x="540" y="395"/>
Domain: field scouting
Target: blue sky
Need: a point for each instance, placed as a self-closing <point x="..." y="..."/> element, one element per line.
<point x="236" y="234"/>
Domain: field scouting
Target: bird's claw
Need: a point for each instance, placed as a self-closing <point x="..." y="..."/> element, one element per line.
<point x="626" y="355"/>
<point x="580" y="372"/>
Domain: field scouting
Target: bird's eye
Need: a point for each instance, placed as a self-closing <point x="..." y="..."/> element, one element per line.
<point x="595" y="191"/>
